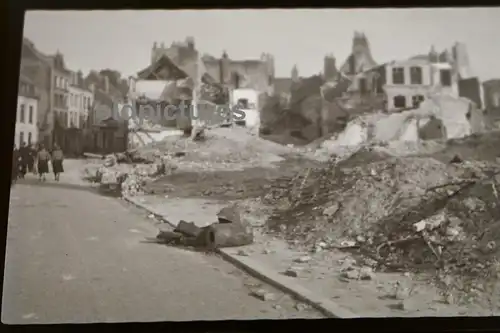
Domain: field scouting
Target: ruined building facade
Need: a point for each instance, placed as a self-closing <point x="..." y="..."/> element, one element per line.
<point x="257" y="74"/>
<point x="330" y="68"/>
<point x="360" y="58"/>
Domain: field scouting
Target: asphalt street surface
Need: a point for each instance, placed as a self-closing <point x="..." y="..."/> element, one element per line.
<point x="74" y="256"/>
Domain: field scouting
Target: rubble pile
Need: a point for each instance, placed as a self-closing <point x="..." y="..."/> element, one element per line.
<point x="126" y="179"/>
<point x="229" y="231"/>
<point x="364" y="192"/>
<point x="411" y="213"/>
<point x="222" y="149"/>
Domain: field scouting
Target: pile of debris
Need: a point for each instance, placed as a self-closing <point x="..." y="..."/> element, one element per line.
<point x="126" y="179"/>
<point x="228" y="231"/>
<point x="412" y="213"/>
<point x="233" y="148"/>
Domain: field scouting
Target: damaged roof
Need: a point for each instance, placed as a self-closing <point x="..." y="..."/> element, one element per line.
<point x="181" y="68"/>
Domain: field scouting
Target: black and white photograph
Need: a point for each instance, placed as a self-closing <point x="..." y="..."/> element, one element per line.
<point x="184" y="165"/>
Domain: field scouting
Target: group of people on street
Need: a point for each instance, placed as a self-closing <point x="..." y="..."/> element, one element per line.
<point x="36" y="159"/>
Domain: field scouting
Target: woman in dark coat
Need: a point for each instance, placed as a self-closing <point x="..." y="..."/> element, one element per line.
<point x="32" y="156"/>
<point x="42" y="160"/>
<point x="24" y="157"/>
<point x="57" y="162"/>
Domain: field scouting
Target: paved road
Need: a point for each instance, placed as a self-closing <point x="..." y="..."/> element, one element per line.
<point x="75" y="256"/>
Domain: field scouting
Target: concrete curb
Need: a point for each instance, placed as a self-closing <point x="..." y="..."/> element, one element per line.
<point x="283" y="283"/>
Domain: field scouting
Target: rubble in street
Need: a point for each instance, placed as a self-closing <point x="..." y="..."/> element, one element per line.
<point x="222" y="149"/>
<point x="228" y="231"/>
<point x="411" y="214"/>
<point x="433" y="209"/>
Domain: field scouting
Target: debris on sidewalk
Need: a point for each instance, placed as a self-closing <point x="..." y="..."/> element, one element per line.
<point x="263" y="295"/>
<point x="225" y="233"/>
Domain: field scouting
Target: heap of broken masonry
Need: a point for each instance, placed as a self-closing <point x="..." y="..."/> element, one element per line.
<point x="398" y="214"/>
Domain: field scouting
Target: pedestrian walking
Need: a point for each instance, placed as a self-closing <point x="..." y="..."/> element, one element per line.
<point x="42" y="161"/>
<point x="24" y="157"/>
<point x="15" y="167"/>
<point x="57" y="162"/>
<point x="32" y="158"/>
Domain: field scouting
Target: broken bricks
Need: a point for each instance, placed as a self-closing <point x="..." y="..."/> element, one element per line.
<point x="263" y="295"/>
<point x="188" y="229"/>
<point x="219" y="235"/>
<point x="229" y="214"/>
<point x="169" y="237"/>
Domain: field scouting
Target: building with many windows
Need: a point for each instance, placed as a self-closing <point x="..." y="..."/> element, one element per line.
<point x="27" y="112"/>
<point x="81" y="99"/>
<point x="51" y="78"/>
<point x="410" y="82"/>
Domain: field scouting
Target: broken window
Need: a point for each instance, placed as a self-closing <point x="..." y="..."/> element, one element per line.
<point x="398" y="75"/>
<point x="363" y="89"/>
<point x="445" y="75"/>
<point x="399" y="101"/>
<point x="416" y="75"/>
<point x="21" y="114"/>
<point x="416" y="100"/>
<point x="496" y="99"/>
<point x="352" y="65"/>
<point x="243" y="103"/>
<point x="236" y="80"/>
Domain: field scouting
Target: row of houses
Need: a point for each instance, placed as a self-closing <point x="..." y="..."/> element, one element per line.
<point x="55" y="103"/>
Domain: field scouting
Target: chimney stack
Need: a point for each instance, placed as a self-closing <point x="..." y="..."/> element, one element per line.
<point x="106" y="84"/>
<point x="330" y="67"/>
<point x="190" y="42"/>
<point x="295" y="74"/>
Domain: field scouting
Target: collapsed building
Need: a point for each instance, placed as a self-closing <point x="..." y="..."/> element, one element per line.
<point x="361" y="86"/>
<point x="222" y="80"/>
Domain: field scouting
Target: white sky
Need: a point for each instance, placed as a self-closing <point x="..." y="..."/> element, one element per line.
<point x="122" y="40"/>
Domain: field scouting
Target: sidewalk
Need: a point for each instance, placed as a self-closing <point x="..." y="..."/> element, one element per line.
<point x="318" y="282"/>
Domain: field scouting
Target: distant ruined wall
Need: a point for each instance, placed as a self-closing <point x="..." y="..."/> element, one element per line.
<point x="329" y="68"/>
<point x="254" y="74"/>
<point x="361" y="58"/>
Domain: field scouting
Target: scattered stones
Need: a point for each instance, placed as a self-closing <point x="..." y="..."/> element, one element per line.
<point x="360" y="239"/>
<point x="347" y="264"/>
<point x="449" y="299"/>
<point x="331" y="209"/>
<point x="292" y="272"/>
<point x="303" y="259"/>
<point x="230" y="214"/>
<point x="322" y="245"/>
<point x="317" y="249"/>
<point x="366" y="273"/>
<point x="350" y="275"/>
<point x="408" y="304"/>
<point x="400" y="293"/>
<point x="347" y="244"/>
<point x="243" y="253"/>
<point x="301" y="306"/>
<point x="263" y="295"/>
<point x="370" y="262"/>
